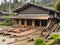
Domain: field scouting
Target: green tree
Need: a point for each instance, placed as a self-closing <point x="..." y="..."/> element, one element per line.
<point x="15" y="1"/>
<point x="54" y="1"/>
<point x="21" y="1"/>
<point x="9" y="5"/>
<point x="57" y="5"/>
<point x="2" y="6"/>
<point x="25" y="1"/>
<point x="5" y="4"/>
<point x="33" y="1"/>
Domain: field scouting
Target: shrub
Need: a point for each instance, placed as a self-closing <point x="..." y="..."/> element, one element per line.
<point x="6" y="21"/>
<point x="55" y="36"/>
<point x="12" y="14"/>
<point x="39" y="41"/>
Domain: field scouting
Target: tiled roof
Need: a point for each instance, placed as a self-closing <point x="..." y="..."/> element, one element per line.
<point x="28" y="4"/>
<point x="32" y="16"/>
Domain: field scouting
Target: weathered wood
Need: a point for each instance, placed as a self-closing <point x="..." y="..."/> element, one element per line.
<point x="49" y="23"/>
<point x="33" y="23"/>
<point x="56" y="26"/>
<point x="18" y="41"/>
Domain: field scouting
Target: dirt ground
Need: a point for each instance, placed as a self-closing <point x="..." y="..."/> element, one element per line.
<point x="27" y="37"/>
<point x="6" y="27"/>
<point x="27" y="42"/>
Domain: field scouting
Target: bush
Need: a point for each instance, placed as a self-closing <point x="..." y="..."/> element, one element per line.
<point x="12" y="14"/>
<point x="6" y="21"/>
<point x="39" y="41"/>
<point x="55" y="36"/>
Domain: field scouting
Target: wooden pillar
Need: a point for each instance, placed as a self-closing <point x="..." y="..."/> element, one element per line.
<point x="40" y="22"/>
<point x="25" y="22"/>
<point x="20" y="22"/>
<point x="33" y="23"/>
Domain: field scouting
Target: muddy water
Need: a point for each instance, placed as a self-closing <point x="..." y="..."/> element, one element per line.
<point x="4" y="40"/>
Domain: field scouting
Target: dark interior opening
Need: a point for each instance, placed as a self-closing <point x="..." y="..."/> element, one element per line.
<point x="29" y="22"/>
<point x="17" y="21"/>
<point x="43" y="22"/>
<point x="37" y="22"/>
<point x="22" y="21"/>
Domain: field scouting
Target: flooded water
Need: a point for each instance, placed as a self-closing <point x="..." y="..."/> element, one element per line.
<point x="4" y="40"/>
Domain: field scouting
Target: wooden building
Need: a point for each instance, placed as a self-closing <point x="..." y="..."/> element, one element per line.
<point x="32" y="15"/>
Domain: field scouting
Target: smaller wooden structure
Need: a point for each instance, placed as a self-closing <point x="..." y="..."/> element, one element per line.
<point x="2" y="14"/>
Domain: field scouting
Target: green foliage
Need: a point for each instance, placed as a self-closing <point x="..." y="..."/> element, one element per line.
<point x="6" y="21"/>
<point x="50" y="5"/>
<point x="50" y="42"/>
<point x="6" y="18"/>
<point x="39" y="41"/>
<point x="17" y="3"/>
<point x="55" y="36"/>
<point x="57" y="5"/>
<point x="12" y="13"/>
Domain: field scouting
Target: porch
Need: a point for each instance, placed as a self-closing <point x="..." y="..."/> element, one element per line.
<point x="34" y="20"/>
<point x="30" y="22"/>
